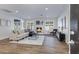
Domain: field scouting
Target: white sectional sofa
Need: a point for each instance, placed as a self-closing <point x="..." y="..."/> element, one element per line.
<point x="18" y="36"/>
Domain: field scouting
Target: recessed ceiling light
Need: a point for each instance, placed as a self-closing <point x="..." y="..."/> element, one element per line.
<point x="46" y="8"/>
<point x="16" y="11"/>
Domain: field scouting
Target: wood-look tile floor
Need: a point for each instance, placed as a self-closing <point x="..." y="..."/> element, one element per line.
<point x="50" y="46"/>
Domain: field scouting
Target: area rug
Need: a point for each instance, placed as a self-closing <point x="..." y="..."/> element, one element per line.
<point x="36" y="40"/>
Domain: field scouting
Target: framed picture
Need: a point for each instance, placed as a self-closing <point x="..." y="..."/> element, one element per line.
<point x="64" y="22"/>
<point x="0" y="22"/>
<point x="7" y="22"/>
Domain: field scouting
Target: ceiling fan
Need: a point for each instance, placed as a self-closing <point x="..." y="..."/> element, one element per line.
<point x="9" y="11"/>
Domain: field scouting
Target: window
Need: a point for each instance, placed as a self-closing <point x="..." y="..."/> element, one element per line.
<point x="47" y="28"/>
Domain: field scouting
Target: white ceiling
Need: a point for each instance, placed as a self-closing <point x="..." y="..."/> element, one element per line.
<point x="32" y="10"/>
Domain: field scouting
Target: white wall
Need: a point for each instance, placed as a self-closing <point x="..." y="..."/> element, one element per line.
<point x="67" y="29"/>
<point x="5" y="31"/>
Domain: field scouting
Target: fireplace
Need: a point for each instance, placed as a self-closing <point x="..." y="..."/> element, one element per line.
<point x="39" y="29"/>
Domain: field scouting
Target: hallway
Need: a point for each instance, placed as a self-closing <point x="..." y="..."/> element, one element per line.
<point x="50" y="46"/>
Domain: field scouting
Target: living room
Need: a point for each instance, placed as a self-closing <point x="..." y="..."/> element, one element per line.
<point x="34" y="28"/>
